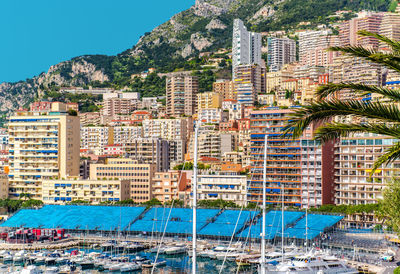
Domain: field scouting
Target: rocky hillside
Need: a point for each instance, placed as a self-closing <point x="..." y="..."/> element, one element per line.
<point x="204" y="27"/>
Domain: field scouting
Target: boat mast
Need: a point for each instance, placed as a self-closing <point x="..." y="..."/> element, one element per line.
<point x="194" y="205"/>
<point x="306" y="228"/>
<point x="283" y="212"/>
<point x="264" y="202"/>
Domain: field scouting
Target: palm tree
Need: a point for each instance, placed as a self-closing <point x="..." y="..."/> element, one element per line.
<point x="381" y="117"/>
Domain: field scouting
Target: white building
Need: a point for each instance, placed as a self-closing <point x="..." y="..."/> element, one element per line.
<point x="210" y="115"/>
<point x="169" y="129"/>
<point x="95" y="139"/>
<point x="125" y="134"/>
<point x="234" y="109"/>
<point x="246" y="46"/>
<point x="227" y="187"/>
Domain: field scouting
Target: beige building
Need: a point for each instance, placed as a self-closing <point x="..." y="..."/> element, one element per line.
<point x="207" y="100"/>
<point x="140" y="176"/>
<point x="94" y="191"/>
<point x="231" y="188"/>
<point x="274" y="80"/>
<point x="225" y="88"/>
<point x="181" y="91"/>
<point x="213" y="144"/>
<point x="166" y="185"/>
<point x="3" y="186"/>
<point x="42" y="146"/>
<point x="89" y="118"/>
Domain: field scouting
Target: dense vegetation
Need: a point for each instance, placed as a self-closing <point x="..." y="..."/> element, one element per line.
<point x="13" y="205"/>
<point x="86" y="102"/>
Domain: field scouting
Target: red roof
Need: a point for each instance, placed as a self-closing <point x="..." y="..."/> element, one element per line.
<point x="141" y="112"/>
<point x="209" y="159"/>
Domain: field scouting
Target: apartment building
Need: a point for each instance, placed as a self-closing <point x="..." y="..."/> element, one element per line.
<point x="275" y="79"/>
<point x="139" y="175"/>
<point x="313" y="47"/>
<point x="90" y="118"/>
<point x="42" y="146"/>
<point x="348" y="69"/>
<point x="249" y="81"/>
<point x="213" y="144"/>
<point x="354" y="159"/>
<point x="120" y="103"/>
<point x="301" y="168"/>
<point x="234" y="108"/>
<point x="208" y="100"/>
<point x="231" y="188"/>
<point x="93" y="191"/>
<point x="95" y="138"/>
<point x="124" y="134"/>
<point x="166" y="185"/>
<point x="169" y="129"/>
<point x="225" y="88"/>
<point x="150" y="151"/>
<point x="212" y="115"/>
<point x="281" y="51"/>
<point x="181" y="91"/>
<point x="390" y="27"/>
<point x="369" y="21"/>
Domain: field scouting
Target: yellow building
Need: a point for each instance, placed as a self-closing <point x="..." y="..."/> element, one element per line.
<point x="94" y="191"/>
<point x="140" y="176"/>
<point x="207" y="100"/>
<point x="42" y="146"/>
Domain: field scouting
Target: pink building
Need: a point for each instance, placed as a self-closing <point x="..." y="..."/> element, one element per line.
<point x="369" y="21"/>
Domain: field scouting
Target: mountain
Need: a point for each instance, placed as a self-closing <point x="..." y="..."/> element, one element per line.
<point x="207" y="26"/>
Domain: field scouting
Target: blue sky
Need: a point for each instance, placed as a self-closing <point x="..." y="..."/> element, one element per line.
<point x="39" y="33"/>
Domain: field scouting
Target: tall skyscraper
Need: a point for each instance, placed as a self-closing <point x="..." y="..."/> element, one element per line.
<point x="43" y="145"/>
<point x="181" y="92"/>
<point x="246" y="46"/>
<point x="281" y="51"/>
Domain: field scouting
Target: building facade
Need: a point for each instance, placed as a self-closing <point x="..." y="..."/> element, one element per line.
<point x="140" y="176"/>
<point x="301" y="168"/>
<point x="231" y="188"/>
<point x="93" y="191"/>
<point x="281" y="51"/>
<point x="181" y="91"/>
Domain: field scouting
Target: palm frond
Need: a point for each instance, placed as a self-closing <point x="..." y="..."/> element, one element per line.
<point x="387" y="59"/>
<point x="395" y="45"/>
<point x="332" y="131"/>
<point x="390" y="155"/>
<point x="322" y="111"/>
<point x="326" y="90"/>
